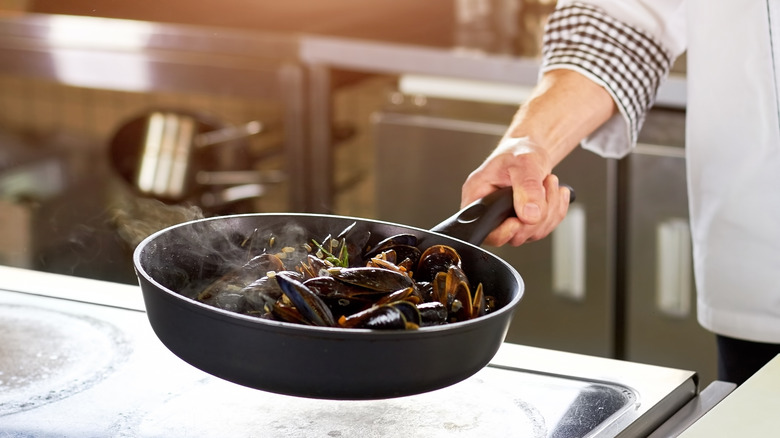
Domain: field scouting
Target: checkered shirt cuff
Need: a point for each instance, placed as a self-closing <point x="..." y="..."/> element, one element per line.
<point x="623" y="59"/>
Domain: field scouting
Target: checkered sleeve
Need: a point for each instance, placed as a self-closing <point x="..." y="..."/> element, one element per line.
<point x="627" y="62"/>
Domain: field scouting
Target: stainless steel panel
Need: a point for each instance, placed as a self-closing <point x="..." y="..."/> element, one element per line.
<point x="661" y="325"/>
<point x="423" y="156"/>
<point x="710" y="396"/>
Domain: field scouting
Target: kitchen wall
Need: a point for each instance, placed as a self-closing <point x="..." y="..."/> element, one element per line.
<point x="395" y="20"/>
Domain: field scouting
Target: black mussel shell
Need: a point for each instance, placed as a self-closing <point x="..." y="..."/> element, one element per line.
<point x="378" y="279"/>
<point x="432" y="313"/>
<point x="313" y="309"/>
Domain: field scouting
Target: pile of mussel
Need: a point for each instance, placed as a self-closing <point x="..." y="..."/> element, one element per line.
<point x="335" y="282"/>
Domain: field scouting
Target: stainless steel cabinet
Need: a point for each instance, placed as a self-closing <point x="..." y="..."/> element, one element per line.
<point x="661" y="325"/>
<point x="423" y="155"/>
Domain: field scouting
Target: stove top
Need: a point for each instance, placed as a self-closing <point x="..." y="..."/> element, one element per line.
<point x="48" y="355"/>
<point x="79" y="369"/>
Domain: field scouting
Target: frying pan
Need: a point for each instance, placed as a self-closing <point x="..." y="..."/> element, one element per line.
<point x="162" y="153"/>
<point x="323" y="362"/>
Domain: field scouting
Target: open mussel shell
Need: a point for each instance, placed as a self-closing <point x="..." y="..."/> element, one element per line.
<point x="311" y="306"/>
<point x="314" y="361"/>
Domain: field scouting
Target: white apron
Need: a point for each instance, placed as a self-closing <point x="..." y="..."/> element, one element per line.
<point x="733" y="158"/>
<point x="732" y="147"/>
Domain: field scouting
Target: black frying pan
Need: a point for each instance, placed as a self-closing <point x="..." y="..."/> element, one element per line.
<point x="322" y="362"/>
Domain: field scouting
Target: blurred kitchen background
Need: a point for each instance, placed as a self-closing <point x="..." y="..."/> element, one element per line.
<point x="375" y="109"/>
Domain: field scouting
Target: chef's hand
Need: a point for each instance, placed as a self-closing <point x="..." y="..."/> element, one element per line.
<point x="540" y="203"/>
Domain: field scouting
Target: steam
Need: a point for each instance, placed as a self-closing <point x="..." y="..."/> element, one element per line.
<point x="137" y="218"/>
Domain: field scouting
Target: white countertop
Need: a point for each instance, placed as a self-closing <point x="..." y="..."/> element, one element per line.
<point x="72" y="288"/>
<point x="752" y="410"/>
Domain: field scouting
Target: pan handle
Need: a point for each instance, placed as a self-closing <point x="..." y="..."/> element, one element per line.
<point x="474" y="222"/>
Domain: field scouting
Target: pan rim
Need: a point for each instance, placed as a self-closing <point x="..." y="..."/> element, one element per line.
<point x="238" y="318"/>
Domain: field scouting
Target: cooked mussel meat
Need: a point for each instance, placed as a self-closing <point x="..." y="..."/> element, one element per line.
<point x="435" y="259"/>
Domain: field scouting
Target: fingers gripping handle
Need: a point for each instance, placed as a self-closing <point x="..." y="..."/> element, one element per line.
<point x="475" y="221"/>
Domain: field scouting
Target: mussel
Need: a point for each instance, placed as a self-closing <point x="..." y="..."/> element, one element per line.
<point x="400" y="315"/>
<point x="238" y="278"/>
<point x="310" y="306"/>
<point x="435" y="259"/>
<point x="371" y="278"/>
<point x="342" y="282"/>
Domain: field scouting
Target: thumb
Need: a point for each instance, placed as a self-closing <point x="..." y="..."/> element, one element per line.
<point x="530" y="199"/>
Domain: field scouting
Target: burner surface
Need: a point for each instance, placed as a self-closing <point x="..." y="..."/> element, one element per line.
<point x="47" y="355"/>
<point x="538" y="406"/>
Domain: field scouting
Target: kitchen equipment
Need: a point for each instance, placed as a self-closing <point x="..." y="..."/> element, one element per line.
<point x="322" y="362"/>
<point x="532" y="19"/>
<point x="486" y="25"/>
<point x="29" y="177"/>
<point x="167" y="154"/>
<point x="53" y="207"/>
<point x="105" y="373"/>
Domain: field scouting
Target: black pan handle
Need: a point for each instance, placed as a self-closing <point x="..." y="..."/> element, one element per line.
<point x="475" y="221"/>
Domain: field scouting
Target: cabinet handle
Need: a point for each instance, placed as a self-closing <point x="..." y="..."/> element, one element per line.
<point x="568" y="255"/>
<point x="673" y="268"/>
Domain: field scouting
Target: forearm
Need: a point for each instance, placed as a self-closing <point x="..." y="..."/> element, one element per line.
<point x="564" y="108"/>
<point x="581" y="98"/>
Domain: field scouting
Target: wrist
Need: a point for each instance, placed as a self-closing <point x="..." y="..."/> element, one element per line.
<point x="523" y="146"/>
